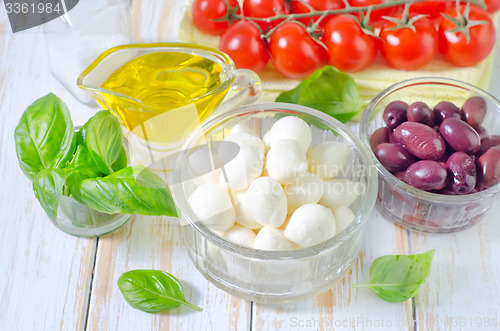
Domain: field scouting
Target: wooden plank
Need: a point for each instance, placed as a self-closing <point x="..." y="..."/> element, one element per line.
<point x="157" y="21"/>
<point x="343" y="307"/>
<point x="45" y="272"/>
<point x="4" y="22"/>
<point x="463" y="289"/>
<point x="155" y="243"/>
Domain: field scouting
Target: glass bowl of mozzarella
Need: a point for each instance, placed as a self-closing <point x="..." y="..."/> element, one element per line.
<point x="274" y="198"/>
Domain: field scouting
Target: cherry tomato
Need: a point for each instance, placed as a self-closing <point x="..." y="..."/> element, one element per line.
<point x="204" y="11"/>
<point x="242" y="42"/>
<point x="376" y="19"/>
<point x="293" y="52"/>
<point x="300" y="8"/>
<point x="454" y="46"/>
<point x="432" y="8"/>
<point x="349" y="48"/>
<point x="264" y="8"/>
<point x="406" y="49"/>
<point x="492" y="6"/>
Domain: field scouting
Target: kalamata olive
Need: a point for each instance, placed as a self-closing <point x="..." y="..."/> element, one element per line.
<point x="488" y="142"/>
<point x="380" y="136"/>
<point x="488" y="168"/>
<point x="426" y="175"/>
<point x="394" y="157"/>
<point x="443" y="163"/>
<point x="460" y="135"/>
<point x="474" y="111"/>
<point x="401" y="176"/>
<point x="420" y="112"/>
<point x="444" y="110"/>
<point x="391" y="137"/>
<point x="462" y="172"/>
<point x="447" y="190"/>
<point x="395" y="114"/>
<point x="420" y="140"/>
<point x="482" y="132"/>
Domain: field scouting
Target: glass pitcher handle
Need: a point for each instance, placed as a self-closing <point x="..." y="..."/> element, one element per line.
<point x="250" y="86"/>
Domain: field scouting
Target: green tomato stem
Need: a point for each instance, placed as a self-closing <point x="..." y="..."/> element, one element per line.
<point x="348" y="9"/>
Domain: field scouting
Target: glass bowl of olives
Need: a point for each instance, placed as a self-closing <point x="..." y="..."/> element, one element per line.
<point x="436" y="145"/>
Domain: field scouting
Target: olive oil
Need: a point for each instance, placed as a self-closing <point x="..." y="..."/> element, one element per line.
<point x="162" y="81"/>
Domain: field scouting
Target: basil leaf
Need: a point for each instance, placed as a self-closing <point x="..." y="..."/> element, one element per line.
<point x="397" y="278"/>
<point x="82" y="139"/>
<point x="328" y="90"/>
<point x="132" y="190"/>
<point x="83" y="162"/>
<point x="152" y="291"/>
<point x="44" y="136"/>
<point x="48" y="185"/>
<point x="81" y="135"/>
<point x="103" y="139"/>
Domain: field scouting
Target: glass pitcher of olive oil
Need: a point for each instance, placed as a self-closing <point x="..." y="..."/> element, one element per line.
<point x="162" y="92"/>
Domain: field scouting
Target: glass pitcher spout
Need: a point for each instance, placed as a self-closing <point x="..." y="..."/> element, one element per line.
<point x="163" y="92"/>
<point x="140" y="81"/>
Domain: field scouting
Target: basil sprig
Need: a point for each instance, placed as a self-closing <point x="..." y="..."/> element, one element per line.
<point x="90" y="165"/>
<point x="397" y="278"/>
<point x="152" y="291"/>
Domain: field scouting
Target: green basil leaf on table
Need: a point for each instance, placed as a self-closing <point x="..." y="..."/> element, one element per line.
<point x="397" y="278"/>
<point x="103" y="138"/>
<point x="328" y="90"/>
<point x="152" y="291"/>
<point x="48" y="185"/>
<point x="44" y="136"/>
<point x="132" y="190"/>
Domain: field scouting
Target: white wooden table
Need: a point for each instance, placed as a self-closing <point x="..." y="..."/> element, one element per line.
<point x="50" y="280"/>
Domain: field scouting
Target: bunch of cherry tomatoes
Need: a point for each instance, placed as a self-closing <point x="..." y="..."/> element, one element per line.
<point x="298" y="47"/>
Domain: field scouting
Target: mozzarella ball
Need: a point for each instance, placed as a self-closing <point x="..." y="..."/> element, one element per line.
<point x="243" y="216"/>
<point x="291" y="127"/>
<point x="238" y="173"/>
<point x="244" y="138"/>
<point x="310" y="224"/>
<point x="283" y="226"/>
<point x="327" y="159"/>
<point x="272" y="239"/>
<point x="211" y="177"/>
<point x="267" y="141"/>
<point x="285" y="161"/>
<point x="303" y="190"/>
<point x="242" y="128"/>
<point x="266" y="202"/>
<point x="343" y="217"/>
<point x="212" y="205"/>
<point x="200" y="168"/>
<point x="240" y="235"/>
<point x="340" y="192"/>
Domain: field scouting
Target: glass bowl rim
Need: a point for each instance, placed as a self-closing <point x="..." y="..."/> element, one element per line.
<point x="399" y="184"/>
<point x="368" y="201"/>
